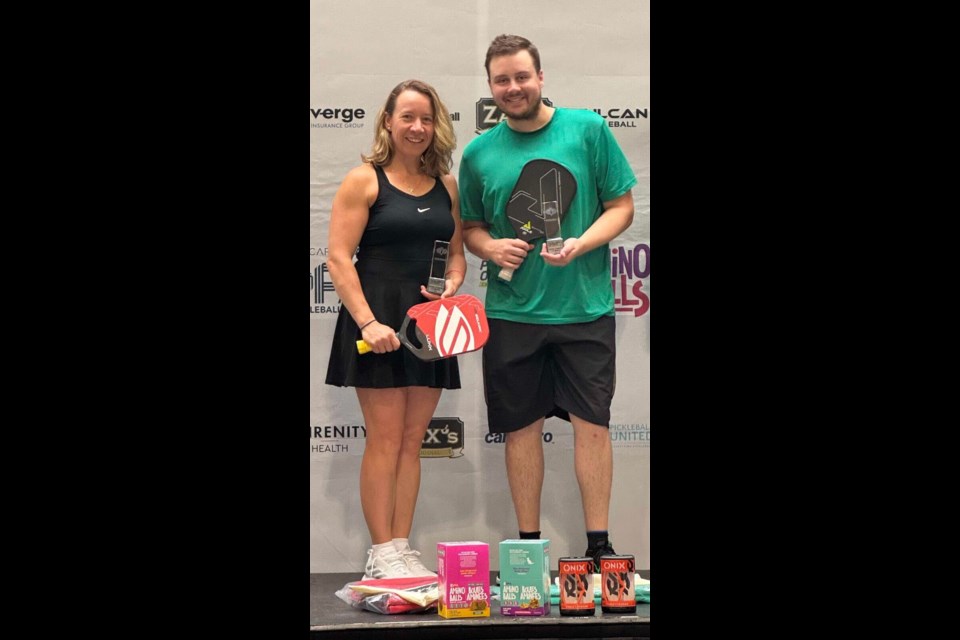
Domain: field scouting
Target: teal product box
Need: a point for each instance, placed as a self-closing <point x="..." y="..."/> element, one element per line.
<point x="525" y="577"/>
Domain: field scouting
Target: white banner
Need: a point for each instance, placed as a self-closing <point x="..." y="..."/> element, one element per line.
<point x="594" y="56"/>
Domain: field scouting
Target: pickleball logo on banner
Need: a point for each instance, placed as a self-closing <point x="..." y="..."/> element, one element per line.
<point x="489" y="114"/>
<point x="443" y="439"/>
<point x="323" y="296"/>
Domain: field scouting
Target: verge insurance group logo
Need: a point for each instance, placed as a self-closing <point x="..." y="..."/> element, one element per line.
<point x="336" y="117"/>
<point x="444" y="439"/>
<point x="489" y="114"/>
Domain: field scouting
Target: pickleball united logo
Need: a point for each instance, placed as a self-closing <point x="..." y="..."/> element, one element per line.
<point x="629" y="435"/>
<point x="489" y="114"/>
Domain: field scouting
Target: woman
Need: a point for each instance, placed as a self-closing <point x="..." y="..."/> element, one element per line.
<point x="393" y="207"/>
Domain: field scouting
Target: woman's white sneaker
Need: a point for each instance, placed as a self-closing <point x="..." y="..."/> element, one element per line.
<point x="416" y="568"/>
<point x="412" y="559"/>
<point x="386" y="563"/>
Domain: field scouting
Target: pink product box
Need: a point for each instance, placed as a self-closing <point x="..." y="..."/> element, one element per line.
<point x="463" y="578"/>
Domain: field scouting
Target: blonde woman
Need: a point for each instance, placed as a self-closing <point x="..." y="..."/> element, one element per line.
<point x="393" y="207"/>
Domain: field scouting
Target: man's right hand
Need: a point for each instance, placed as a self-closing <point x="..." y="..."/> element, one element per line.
<point x="508" y="252"/>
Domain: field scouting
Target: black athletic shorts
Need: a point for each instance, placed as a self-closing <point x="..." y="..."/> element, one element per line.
<point x="531" y="371"/>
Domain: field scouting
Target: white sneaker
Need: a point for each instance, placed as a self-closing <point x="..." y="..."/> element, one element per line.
<point x="385" y="564"/>
<point x="412" y="559"/>
<point x="416" y="568"/>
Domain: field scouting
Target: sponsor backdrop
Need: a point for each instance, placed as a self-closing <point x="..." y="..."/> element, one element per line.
<point x="594" y="56"/>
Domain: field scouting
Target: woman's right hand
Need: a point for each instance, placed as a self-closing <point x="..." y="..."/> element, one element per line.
<point x="380" y="338"/>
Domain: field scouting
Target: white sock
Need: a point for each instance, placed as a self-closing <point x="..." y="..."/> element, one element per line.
<point x="383" y="546"/>
<point x="401" y="544"/>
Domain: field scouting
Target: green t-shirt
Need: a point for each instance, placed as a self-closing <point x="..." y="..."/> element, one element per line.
<point x="579" y="140"/>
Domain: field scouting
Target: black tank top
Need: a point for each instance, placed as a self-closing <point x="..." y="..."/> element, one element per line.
<point x="403" y="227"/>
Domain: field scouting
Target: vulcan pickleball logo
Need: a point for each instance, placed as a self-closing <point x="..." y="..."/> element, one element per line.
<point x="626" y="118"/>
<point x="489" y="114"/>
<point x="443" y="439"/>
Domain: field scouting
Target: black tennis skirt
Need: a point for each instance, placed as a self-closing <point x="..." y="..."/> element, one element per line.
<point x="390" y="287"/>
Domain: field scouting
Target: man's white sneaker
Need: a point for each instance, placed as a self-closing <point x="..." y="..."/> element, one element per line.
<point x="385" y="564"/>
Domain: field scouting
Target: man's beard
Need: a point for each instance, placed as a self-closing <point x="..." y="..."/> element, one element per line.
<point x="529" y="114"/>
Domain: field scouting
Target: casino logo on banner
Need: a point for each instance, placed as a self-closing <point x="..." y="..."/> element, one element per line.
<point x="629" y="266"/>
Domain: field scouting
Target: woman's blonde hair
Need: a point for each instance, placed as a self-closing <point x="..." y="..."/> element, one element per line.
<point x="438" y="159"/>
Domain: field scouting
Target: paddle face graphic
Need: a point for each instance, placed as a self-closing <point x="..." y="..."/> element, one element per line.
<point x="442" y="328"/>
<point x="540" y="198"/>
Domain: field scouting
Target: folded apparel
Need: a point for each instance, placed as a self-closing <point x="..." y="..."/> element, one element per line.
<point x="420" y="590"/>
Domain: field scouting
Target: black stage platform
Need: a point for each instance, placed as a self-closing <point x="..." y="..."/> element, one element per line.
<point x="331" y="618"/>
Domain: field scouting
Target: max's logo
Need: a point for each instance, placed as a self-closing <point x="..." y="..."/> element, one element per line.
<point x="443" y="439"/>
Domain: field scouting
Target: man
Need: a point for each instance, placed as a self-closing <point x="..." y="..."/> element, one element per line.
<point x="551" y="350"/>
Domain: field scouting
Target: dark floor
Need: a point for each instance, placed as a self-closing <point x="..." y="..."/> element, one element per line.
<point x="330" y="617"/>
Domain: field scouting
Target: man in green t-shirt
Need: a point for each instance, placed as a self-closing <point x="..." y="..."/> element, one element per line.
<point x="551" y="350"/>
